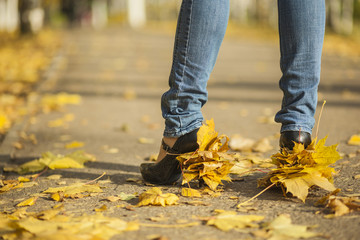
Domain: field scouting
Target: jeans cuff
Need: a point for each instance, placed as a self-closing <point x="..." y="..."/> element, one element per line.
<point x="295" y="128"/>
<point x="181" y="132"/>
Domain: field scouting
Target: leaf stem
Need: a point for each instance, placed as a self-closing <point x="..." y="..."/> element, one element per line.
<point x="39" y="174"/>
<point x="240" y="204"/>
<point x="318" y="124"/>
<point x="95" y="179"/>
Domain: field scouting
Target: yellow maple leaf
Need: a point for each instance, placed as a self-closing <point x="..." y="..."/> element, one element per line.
<point x="206" y="134"/>
<point x="210" y="162"/>
<point x="300" y="169"/>
<point x="155" y="197"/>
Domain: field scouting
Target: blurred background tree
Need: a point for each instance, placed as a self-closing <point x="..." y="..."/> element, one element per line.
<point x="29" y="16"/>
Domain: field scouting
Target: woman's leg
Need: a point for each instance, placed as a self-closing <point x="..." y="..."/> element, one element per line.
<point x="199" y="34"/>
<point x="301" y="30"/>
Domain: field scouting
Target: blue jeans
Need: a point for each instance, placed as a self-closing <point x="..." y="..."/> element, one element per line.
<point x="200" y="31"/>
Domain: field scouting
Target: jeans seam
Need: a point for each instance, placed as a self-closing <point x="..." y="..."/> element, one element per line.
<point x="186" y="53"/>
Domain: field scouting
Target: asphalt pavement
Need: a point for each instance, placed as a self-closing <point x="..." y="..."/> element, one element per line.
<point x="120" y="75"/>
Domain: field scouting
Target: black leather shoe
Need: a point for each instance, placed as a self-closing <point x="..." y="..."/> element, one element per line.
<point x="288" y="138"/>
<point x="168" y="171"/>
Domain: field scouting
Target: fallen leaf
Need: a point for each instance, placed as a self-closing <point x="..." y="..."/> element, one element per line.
<point x="135" y="180"/>
<point x="52" y="161"/>
<point x="129" y="94"/>
<point x="354" y="140"/>
<point x="144" y="140"/>
<point x="101" y="209"/>
<point x="28" y="202"/>
<point x="263" y="145"/>
<point x="159" y="218"/>
<point x="58" y="196"/>
<point x="65" y="227"/>
<point x="122" y="196"/>
<point x="74" y="144"/>
<point x="282" y="228"/>
<point x="228" y="220"/>
<point x="72" y="191"/>
<point x="155" y="197"/>
<point x="58" y="101"/>
<point x="18" y="145"/>
<point x="184" y="225"/>
<point x="239" y="143"/>
<point x="189" y="192"/>
<point x="23" y="179"/>
<point x="54" y="177"/>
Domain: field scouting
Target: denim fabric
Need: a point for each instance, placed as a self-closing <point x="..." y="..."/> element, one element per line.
<point x="200" y="31"/>
<point x="301" y="30"/>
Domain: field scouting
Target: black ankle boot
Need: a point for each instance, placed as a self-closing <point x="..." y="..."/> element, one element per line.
<point x="288" y="138"/>
<point x="168" y="171"/>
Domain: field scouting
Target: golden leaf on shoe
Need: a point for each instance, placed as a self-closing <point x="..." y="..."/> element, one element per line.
<point x="189" y="192"/>
<point x="228" y="220"/>
<point x="300" y="169"/>
<point x="206" y="134"/>
<point x="210" y="162"/>
<point x="155" y="197"/>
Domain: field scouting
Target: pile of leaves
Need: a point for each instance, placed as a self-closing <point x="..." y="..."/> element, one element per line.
<point x="209" y="162"/>
<point x="21" y="62"/>
<point x="299" y="169"/>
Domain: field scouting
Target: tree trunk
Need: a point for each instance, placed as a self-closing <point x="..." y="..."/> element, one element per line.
<point x="136" y="13"/>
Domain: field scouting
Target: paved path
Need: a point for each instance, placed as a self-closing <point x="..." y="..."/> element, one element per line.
<point x="121" y="75"/>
